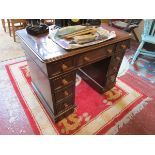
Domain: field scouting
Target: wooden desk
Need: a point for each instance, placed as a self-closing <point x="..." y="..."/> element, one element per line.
<point x="53" y="69"/>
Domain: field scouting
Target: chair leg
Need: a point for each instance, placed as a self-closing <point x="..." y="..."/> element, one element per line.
<point x="3" y="24"/>
<point x="13" y="31"/>
<point x="135" y="36"/>
<point x="14" y="36"/>
<point x="137" y="52"/>
<point x="9" y="27"/>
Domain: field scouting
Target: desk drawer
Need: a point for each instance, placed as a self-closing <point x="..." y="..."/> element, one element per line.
<point x="64" y="93"/>
<point x="60" y="66"/>
<point x="93" y="55"/>
<point x="122" y="46"/>
<point x="64" y="105"/>
<point x="64" y="80"/>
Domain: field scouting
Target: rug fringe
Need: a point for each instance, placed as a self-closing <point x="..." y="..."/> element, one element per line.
<point x="129" y="116"/>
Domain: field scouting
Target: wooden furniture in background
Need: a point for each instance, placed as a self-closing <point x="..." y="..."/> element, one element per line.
<point x="48" y="21"/>
<point x="127" y="25"/>
<point x="105" y="21"/>
<point x="148" y="36"/>
<point x="14" y="25"/>
<point x="3" y="24"/>
<point x="9" y="26"/>
<point x="53" y="70"/>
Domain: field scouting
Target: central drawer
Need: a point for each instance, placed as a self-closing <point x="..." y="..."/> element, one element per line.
<point x="94" y="55"/>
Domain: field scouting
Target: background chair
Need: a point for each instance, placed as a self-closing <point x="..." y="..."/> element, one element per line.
<point x="14" y="25"/>
<point x="48" y="21"/>
<point x="148" y="36"/>
<point x="68" y="22"/>
<point x="9" y="26"/>
<point x="3" y="24"/>
<point x="127" y="25"/>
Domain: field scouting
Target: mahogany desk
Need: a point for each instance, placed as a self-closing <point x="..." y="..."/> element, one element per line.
<point x="53" y="69"/>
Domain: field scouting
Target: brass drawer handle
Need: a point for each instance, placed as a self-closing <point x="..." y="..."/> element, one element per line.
<point x="123" y="46"/>
<point x="109" y="51"/>
<point x="86" y="58"/>
<point x="115" y="68"/>
<point x="65" y="105"/>
<point x="66" y="93"/>
<point x="64" y="67"/>
<point x="118" y="58"/>
<point x="65" y="82"/>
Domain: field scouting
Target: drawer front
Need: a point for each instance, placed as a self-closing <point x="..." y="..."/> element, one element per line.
<point x="60" y="67"/>
<point x="64" y="93"/>
<point x="115" y="63"/>
<point x="64" y="105"/>
<point x="94" y="55"/>
<point x="64" y="80"/>
<point x="122" y="46"/>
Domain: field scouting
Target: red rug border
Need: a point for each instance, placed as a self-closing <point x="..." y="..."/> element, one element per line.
<point x="27" y="111"/>
<point x="120" y="116"/>
<point x="34" y="124"/>
<point x="42" y="105"/>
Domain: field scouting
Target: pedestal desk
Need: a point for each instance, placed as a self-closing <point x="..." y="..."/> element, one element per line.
<point x="53" y="70"/>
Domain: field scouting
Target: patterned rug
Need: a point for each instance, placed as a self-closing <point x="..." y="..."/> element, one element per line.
<point x="94" y="114"/>
<point x="144" y="66"/>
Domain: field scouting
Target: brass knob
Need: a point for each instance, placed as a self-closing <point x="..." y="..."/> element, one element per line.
<point x="66" y="93"/>
<point x="65" y="82"/>
<point x="86" y="58"/>
<point x="66" y="105"/>
<point x="115" y="68"/>
<point x="109" y="51"/>
<point x="123" y="46"/>
<point x="64" y="67"/>
<point x="117" y="58"/>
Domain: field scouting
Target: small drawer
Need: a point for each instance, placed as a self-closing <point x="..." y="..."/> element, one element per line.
<point x="64" y="80"/>
<point x="122" y="46"/>
<point x="60" y="66"/>
<point x="64" y="105"/>
<point x="64" y="93"/>
<point x="95" y="55"/>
